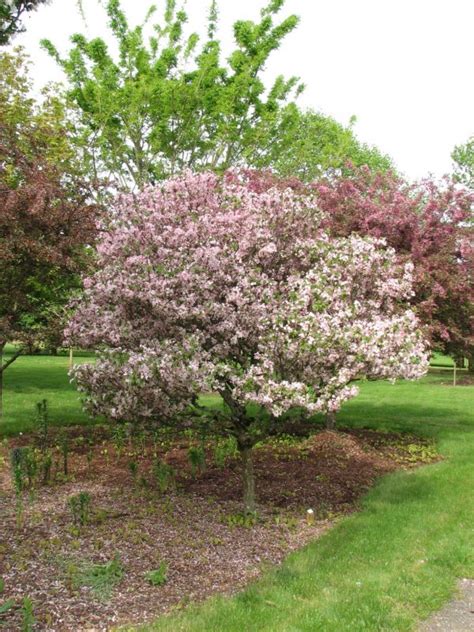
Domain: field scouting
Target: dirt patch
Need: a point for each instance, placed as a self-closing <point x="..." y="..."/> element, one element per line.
<point x="95" y="576"/>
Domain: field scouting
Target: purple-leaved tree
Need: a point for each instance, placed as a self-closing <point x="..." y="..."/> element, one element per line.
<point x="218" y="285"/>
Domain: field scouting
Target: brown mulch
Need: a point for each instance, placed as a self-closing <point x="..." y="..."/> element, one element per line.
<point x="196" y="528"/>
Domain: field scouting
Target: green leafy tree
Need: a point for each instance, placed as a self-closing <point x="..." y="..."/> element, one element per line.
<point x="311" y="144"/>
<point x="463" y="157"/>
<point x="11" y="15"/>
<point x="168" y="103"/>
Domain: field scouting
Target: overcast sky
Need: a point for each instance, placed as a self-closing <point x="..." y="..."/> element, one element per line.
<point x="404" y="68"/>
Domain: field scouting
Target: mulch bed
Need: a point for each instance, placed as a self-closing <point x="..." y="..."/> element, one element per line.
<point x="196" y="529"/>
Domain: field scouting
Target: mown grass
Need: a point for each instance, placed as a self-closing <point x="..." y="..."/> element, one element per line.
<point x="382" y="569"/>
<point x="33" y="378"/>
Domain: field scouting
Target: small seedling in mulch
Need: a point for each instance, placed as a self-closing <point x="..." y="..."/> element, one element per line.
<point x="119" y="436"/>
<point x="140" y="441"/>
<point x="164" y="475"/>
<point x="100" y="578"/>
<point x="18" y="471"/>
<point x="42" y="423"/>
<point x="197" y="460"/>
<point x="158" y="576"/>
<point x="45" y="463"/>
<point x="241" y="520"/>
<point x="90" y="454"/>
<point x="80" y="504"/>
<point x="28" y="618"/>
<point x="105" y="453"/>
<point x="6" y="605"/>
<point x="133" y="467"/>
<point x="64" y="447"/>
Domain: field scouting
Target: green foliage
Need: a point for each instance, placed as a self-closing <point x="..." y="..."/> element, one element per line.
<point x="100" y="578"/>
<point x="164" y="475"/>
<point x="224" y="450"/>
<point x="64" y="447"/>
<point x="241" y="519"/>
<point x="133" y="468"/>
<point x="42" y="424"/>
<point x="119" y="435"/>
<point x="416" y="453"/>
<point x="311" y="144"/>
<point x="18" y="460"/>
<point x="463" y="157"/>
<point x="31" y="465"/>
<point x="158" y="576"/>
<point x="197" y="459"/>
<point x="169" y="103"/>
<point x="80" y="505"/>
<point x="45" y="459"/>
<point x="6" y="606"/>
<point x="28" y="618"/>
<point x="11" y="14"/>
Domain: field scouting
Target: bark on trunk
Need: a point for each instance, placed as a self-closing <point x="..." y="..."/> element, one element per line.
<point x="3" y="366"/>
<point x="248" y="479"/>
<point x="331" y="421"/>
<point x="1" y="383"/>
<point x="470" y="359"/>
<point x="2" y="346"/>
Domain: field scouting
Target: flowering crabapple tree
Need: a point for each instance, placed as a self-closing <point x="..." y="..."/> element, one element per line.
<point x="428" y="223"/>
<point x="206" y="284"/>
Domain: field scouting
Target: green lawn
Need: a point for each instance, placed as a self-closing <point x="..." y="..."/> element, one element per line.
<point x="33" y="378"/>
<point x="381" y="569"/>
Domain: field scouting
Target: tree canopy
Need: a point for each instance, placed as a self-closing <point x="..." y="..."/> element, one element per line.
<point x="311" y="144"/>
<point x="170" y="103"/>
<point x="231" y="286"/>
<point x="47" y="218"/>
<point x="11" y="15"/>
<point x="463" y="157"/>
<point x="427" y="223"/>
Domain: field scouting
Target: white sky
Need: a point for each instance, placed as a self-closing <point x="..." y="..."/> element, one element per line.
<point x="403" y="67"/>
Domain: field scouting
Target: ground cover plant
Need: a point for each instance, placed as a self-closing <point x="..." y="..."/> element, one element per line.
<point x="142" y="549"/>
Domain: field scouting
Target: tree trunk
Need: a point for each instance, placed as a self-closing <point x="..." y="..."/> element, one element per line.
<point x="248" y="478"/>
<point x="470" y="359"/>
<point x="2" y="347"/>
<point x="331" y="421"/>
<point x="1" y="380"/>
<point x="2" y="369"/>
<point x="459" y="360"/>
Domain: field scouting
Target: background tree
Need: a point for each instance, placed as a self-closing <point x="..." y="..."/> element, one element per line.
<point x="310" y="145"/>
<point x="205" y="284"/>
<point x="463" y="157"/>
<point x="170" y="103"/>
<point x="428" y="224"/>
<point x="11" y="14"/>
<point x="47" y="219"/>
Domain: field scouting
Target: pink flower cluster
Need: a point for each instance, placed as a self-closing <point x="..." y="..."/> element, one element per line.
<point x="208" y="283"/>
